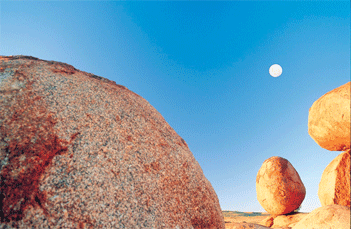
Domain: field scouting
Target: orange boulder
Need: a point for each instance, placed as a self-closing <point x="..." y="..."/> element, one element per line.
<point x="326" y="217"/>
<point x="288" y="220"/>
<point x="334" y="187"/>
<point x="329" y="119"/>
<point x="279" y="187"/>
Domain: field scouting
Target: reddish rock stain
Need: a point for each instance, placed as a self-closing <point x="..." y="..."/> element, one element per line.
<point x="61" y="71"/>
<point x="178" y="191"/>
<point x="32" y="146"/>
<point x="209" y="218"/>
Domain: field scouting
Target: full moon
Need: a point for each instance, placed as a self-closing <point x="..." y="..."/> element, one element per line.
<point x="275" y="70"/>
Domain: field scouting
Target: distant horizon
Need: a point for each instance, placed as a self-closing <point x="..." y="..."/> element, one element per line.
<point x="204" y="66"/>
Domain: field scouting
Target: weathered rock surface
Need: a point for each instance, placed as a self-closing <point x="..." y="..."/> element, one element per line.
<point x="329" y="119"/>
<point x="287" y="220"/>
<point x="326" y="217"/>
<point x="334" y="187"/>
<point x="79" y="151"/>
<point x="279" y="187"/>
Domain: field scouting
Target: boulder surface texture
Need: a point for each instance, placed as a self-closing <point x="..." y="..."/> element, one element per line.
<point x="326" y="217"/>
<point x="334" y="187"/>
<point x="288" y="220"/>
<point x="279" y="187"/>
<point x="79" y="151"/>
<point x="329" y="119"/>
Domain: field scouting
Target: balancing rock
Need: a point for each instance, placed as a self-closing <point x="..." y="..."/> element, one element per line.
<point x="79" y="151"/>
<point x="329" y="119"/>
<point x="279" y="187"/>
<point x="334" y="187"/>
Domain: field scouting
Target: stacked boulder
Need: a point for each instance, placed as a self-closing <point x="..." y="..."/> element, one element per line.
<point x="329" y="119"/>
<point x="329" y="126"/>
<point x="334" y="187"/>
<point x="279" y="188"/>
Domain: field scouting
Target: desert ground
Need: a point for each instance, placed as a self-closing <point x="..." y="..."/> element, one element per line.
<point x="231" y="218"/>
<point x="240" y="217"/>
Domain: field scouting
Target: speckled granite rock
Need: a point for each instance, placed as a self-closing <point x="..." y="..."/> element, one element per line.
<point x="279" y="187"/>
<point x="334" y="187"/>
<point x="79" y="151"/>
<point x="329" y="119"/>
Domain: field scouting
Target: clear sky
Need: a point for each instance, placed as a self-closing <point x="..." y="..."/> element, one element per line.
<point x="204" y="67"/>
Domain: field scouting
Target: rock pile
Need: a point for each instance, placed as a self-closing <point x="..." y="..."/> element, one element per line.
<point x="329" y="125"/>
<point x="79" y="151"/>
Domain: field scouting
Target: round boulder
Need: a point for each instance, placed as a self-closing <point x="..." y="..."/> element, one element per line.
<point x="326" y="217"/>
<point x="279" y="187"/>
<point x="329" y="119"/>
<point x="334" y="187"/>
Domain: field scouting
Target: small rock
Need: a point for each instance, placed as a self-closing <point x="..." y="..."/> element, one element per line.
<point x="334" y="187"/>
<point x="267" y="222"/>
<point x="326" y="217"/>
<point x="288" y="220"/>
<point x="329" y="119"/>
<point x="279" y="187"/>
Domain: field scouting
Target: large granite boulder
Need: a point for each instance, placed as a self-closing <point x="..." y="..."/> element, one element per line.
<point x="326" y="217"/>
<point x="334" y="187"/>
<point x="329" y="119"/>
<point x="279" y="187"/>
<point x="79" y="151"/>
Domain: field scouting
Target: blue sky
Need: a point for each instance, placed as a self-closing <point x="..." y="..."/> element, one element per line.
<point x="204" y="67"/>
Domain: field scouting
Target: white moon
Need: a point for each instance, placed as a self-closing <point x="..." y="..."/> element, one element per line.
<point x="275" y="70"/>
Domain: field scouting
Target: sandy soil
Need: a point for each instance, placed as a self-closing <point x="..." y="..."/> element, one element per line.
<point x="240" y="217"/>
<point x="231" y="218"/>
